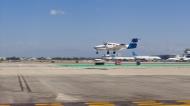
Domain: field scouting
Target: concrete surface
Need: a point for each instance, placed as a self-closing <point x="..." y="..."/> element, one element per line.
<point x="48" y="83"/>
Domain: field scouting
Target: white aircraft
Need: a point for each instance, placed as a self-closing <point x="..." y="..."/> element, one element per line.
<point x="176" y="58"/>
<point x="186" y="58"/>
<point x="146" y="58"/>
<point x="114" y="47"/>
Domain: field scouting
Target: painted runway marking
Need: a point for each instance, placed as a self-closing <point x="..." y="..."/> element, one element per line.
<point x="148" y="103"/>
<point x="100" y="104"/>
<point x="184" y="101"/>
<point x="61" y="96"/>
<point x="123" y="103"/>
<point x="5" y="105"/>
<point x="51" y="104"/>
<point x="160" y="103"/>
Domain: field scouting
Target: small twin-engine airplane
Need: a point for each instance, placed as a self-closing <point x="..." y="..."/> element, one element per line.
<point x="114" y="47"/>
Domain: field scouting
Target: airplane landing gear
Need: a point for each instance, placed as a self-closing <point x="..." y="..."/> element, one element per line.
<point x="138" y="63"/>
<point x="96" y="52"/>
<point x="114" y="52"/>
<point x="108" y="52"/>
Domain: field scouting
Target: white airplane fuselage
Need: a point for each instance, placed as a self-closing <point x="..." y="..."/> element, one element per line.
<point x="111" y="47"/>
<point x="148" y="58"/>
<point x="176" y="58"/>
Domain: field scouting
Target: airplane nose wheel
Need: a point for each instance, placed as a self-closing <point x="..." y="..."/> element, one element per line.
<point x="96" y="52"/>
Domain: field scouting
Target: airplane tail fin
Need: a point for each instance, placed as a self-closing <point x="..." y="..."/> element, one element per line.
<point x="133" y="43"/>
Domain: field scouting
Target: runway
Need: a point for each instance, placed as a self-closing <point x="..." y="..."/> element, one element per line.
<point x="50" y="84"/>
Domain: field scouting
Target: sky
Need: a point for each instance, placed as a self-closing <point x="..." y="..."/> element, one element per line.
<point x="71" y="28"/>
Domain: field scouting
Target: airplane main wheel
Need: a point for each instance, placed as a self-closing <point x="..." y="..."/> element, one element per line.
<point x="114" y="52"/>
<point x="108" y="52"/>
<point x="138" y="63"/>
<point x="97" y="52"/>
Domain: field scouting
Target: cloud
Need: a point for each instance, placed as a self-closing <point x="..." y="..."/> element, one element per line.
<point x="56" y="12"/>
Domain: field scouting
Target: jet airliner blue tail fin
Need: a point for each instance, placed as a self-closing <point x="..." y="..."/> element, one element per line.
<point x="133" y="43"/>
